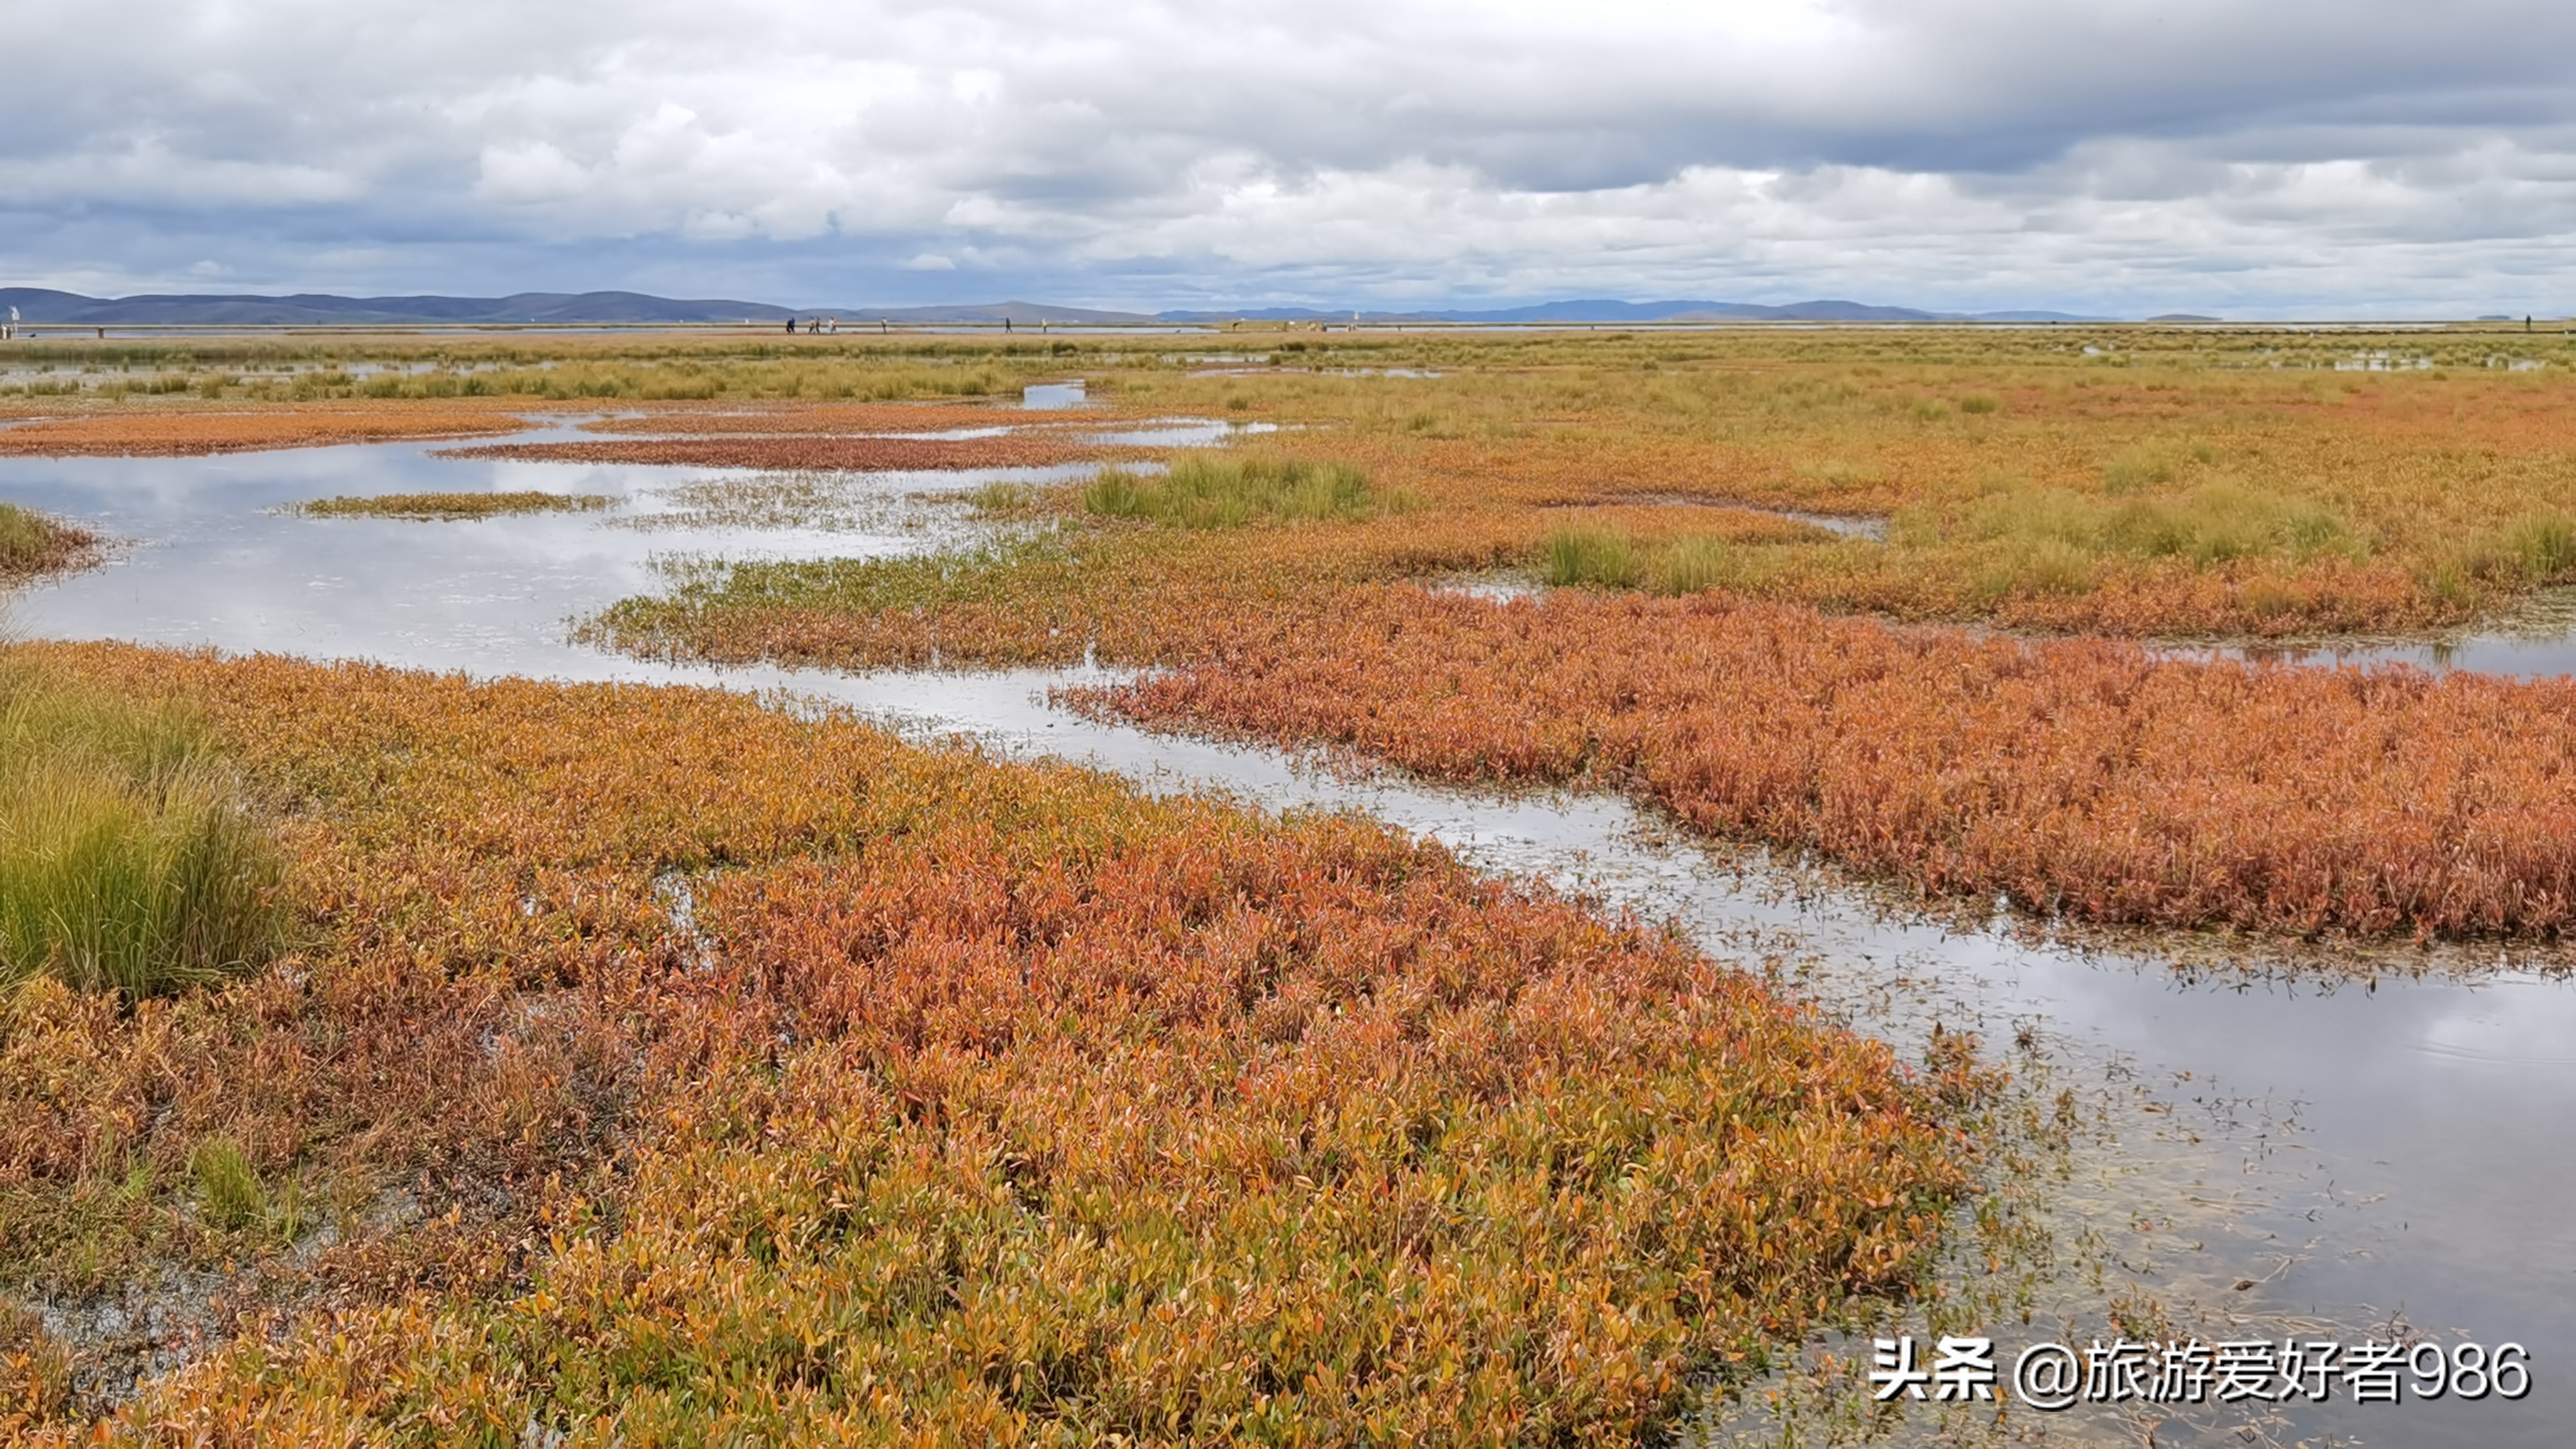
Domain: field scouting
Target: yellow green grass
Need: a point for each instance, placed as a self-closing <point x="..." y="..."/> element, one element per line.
<point x="1599" y="556"/>
<point x="1230" y="491"/>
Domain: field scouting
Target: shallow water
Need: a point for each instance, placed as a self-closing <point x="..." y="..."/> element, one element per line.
<point x="1848" y="525"/>
<point x="1179" y="433"/>
<point x="1053" y="396"/>
<point x="208" y="561"/>
<point x="1872" y="527"/>
<point x="2360" y="1153"/>
<point x="2513" y="655"/>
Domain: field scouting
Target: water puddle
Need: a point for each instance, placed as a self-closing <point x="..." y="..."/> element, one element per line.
<point x="1042" y="397"/>
<point x="1179" y="433"/>
<point x="1849" y="525"/>
<point x="2508" y="655"/>
<point x="1495" y="589"/>
<point x="2537" y="640"/>
<point x="213" y="561"/>
<point x="2353" y="1155"/>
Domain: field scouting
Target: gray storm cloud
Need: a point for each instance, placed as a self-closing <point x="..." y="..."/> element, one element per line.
<point x="2364" y="155"/>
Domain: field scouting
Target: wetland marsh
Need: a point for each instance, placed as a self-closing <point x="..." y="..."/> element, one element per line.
<point x="1824" y="816"/>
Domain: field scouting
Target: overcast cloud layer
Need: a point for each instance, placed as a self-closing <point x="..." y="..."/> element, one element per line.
<point x="2288" y="157"/>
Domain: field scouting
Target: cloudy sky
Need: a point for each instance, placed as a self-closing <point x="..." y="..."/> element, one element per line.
<point x="2260" y="157"/>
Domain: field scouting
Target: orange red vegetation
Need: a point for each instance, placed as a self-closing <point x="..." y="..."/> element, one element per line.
<point x="965" y="1102"/>
<point x="822" y="453"/>
<point x="164" y="434"/>
<point x="2086" y="777"/>
<point x="815" y="418"/>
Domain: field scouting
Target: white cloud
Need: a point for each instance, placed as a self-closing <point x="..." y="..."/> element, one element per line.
<point x="1945" y="152"/>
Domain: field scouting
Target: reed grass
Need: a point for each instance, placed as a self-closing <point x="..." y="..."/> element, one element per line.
<point x="1695" y="564"/>
<point x="1224" y="492"/>
<point x="1597" y="556"/>
<point x="1691" y="563"/>
<point x="444" y="507"/>
<point x="31" y="543"/>
<point x="128" y="861"/>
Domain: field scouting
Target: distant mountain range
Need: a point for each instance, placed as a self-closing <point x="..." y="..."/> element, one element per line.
<point x="41" y="305"/>
<point x="1605" y="310"/>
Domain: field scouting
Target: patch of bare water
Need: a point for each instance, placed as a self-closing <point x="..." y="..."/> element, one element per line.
<point x="2537" y="641"/>
<point x="1053" y="396"/>
<point x="1492" y="588"/>
<point x="1179" y="433"/>
<point x="1850" y="525"/>
<point x="213" y="561"/>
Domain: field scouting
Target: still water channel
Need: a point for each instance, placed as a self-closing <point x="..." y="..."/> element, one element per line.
<point x="2358" y="1156"/>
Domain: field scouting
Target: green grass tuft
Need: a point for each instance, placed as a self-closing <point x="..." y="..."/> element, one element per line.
<point x="2544" y="546"/>
<point x="128" y="862"/>
<point x="1597" y="556"/>
<point x="1693" y="563"/>
<point x="228" y="1189"/>
<point x="31" y="543"/>
<point x="1222" y="492"/>
<point x="1004" y="500"/>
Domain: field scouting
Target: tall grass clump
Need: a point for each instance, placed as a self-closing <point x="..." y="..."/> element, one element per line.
<point x="2542" y="548"/>
<point x="1601" y="557"/>
<point x="1222" y="492"/>
<point x="228" y="1187"/>
<point x="1610" y="558"/>
<point x="1695" y="564"/>
<point x="128" y="862"/>
<point x="2535" y="549"/>
<point x="31" y="543"/>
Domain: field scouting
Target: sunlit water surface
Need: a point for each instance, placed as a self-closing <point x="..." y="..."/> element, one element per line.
<point x="2361" y="1154"/>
